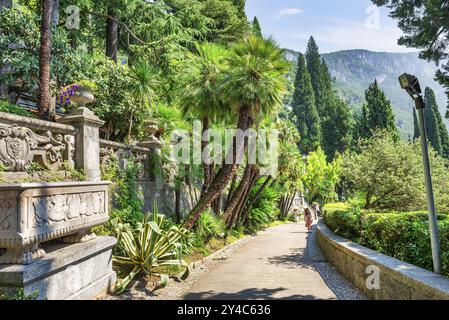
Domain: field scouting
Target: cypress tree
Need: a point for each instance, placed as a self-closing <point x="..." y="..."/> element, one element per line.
<point x="316" y="71"/>
<point x="436" y="130"/>
<point x="379" y="111"/>
<point x="303" y="106"/>
<point x="240" y="5"/>
<point x="416" y="132"/>
<point x="336" y="128"/>
<point x="257" y="30"/>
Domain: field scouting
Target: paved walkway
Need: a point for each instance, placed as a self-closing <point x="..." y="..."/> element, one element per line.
<point x="281" y="263"/>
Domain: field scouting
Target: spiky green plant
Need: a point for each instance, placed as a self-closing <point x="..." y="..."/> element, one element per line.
<point x="149" y="245"/>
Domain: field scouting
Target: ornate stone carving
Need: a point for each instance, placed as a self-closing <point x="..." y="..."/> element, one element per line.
<point x="34" y="213"/>
<point x="6" y="212"/>
<point x="52" y="210"/>
<point x="19" y="146"/>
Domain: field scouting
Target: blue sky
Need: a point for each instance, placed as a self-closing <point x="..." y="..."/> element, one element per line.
<point x="335" y="24"/>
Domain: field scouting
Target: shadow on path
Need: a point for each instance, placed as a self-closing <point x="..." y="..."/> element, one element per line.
<point x="247" y="294"/>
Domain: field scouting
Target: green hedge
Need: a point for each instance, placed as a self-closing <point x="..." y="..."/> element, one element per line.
<point x="404" y="236"/>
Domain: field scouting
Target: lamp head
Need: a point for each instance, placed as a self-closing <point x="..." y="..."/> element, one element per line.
<point x="410" y="84"/>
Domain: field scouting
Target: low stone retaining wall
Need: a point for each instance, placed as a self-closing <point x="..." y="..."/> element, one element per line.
<point x="378" y="276"/>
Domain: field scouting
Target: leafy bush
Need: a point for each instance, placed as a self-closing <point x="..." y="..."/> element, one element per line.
<point x="126" y="196"/>
<point x="209" y="226"/>
<point x="401" y="235"/>
<point x="265" y="210"/>
<point x="390" y="174"/>
<point x="151" y="244"/>
<point x="14" y="109"/>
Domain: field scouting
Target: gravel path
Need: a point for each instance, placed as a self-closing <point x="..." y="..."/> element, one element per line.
<point x="283" y="262"/>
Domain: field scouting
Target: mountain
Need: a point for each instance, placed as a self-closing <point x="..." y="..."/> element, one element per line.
<point x="354" y="70"/>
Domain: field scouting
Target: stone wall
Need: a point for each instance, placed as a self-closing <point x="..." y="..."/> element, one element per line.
<point x="397" y="280"/>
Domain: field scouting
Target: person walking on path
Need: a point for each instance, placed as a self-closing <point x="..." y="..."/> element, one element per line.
<point x="308" y="219"/>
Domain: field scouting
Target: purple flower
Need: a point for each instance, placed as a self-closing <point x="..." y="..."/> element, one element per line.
<point x="67" y="101"/>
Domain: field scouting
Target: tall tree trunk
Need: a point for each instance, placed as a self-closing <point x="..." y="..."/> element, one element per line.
<point x="207" y="169"/>
<point x="256" y="197"/>
<point x="231" y="190"/>
<point x="230" y="210"/>
<point x="223" y="177"/>
<point x="239" y="211"/>
<point x="178" y="202"/>
<point x="112" y="35"/>
<point x="45" y="61"/>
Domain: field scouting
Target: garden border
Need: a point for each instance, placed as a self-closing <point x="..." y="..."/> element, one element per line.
<point x="398" y="280"/>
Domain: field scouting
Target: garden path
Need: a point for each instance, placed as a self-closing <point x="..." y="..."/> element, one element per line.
<point x="283" y="262"/>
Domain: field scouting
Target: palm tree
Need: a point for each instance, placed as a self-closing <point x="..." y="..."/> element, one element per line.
<point x="143" y="89"/>
<point x="253" y="84"/>
<point x="202" y="96"/>
<point x="45" y="60"/>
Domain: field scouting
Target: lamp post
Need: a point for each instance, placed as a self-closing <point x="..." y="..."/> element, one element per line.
<point x="411" y="84"/>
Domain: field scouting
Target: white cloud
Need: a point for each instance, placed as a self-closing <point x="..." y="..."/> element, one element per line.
<point x="288" y="12"/>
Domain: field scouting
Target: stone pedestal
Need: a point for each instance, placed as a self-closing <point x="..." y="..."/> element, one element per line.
<point x="81" y="271"/>
<point x="87" y="147"/>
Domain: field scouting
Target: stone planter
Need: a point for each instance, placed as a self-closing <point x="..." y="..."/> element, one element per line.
<point x="32" y="213"/>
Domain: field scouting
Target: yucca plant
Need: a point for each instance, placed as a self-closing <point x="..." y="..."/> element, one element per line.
<point x="149" y="246"/>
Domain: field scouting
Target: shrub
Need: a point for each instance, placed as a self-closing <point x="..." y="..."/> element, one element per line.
<point x="401" y="235"/>
<point x="151" y="244"/>
<point x="390" y="175"/>
<point x="209" y="226"/>
<point x="7" y="107"/>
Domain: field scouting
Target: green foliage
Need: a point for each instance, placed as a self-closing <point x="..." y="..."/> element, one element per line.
<point x="377" y="114"/>
<point x="127" y="199"/>
<point x="256" y="27"/>
<point x="255" y="76"/>
<point x="20" y="295"/>
<point x="20" y="27"/>
<point x="34" y="167"/>
<point x="432" y="128"/>
<point x="335" y="117"/>
<point x="321" y="177"/>
<point x="14" y="109"/>
<point x="209" y="226"/>
<point x="305" y="110"/>
<point x="265" y="210"/>
<point x="404" y="236"/>
<point x="391" y="176"/>
<point x="336" y="125"/>
<point x="149" y="245"/>
<point x="436" y="129"/>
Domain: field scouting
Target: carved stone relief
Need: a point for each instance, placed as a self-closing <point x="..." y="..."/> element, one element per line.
<point x="20" y="146"/>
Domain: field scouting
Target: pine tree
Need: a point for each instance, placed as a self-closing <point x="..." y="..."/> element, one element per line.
<point x="257" y="30"/>
<point x="379" y="111"/>
<point x="303" y="105"/>
<point x="416" y="132"/>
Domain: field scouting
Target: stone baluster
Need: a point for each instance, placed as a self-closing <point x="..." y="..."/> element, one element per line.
<point x="153" y="166"/>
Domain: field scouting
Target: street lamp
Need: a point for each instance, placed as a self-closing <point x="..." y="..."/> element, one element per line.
<point x="411" y="84"/>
